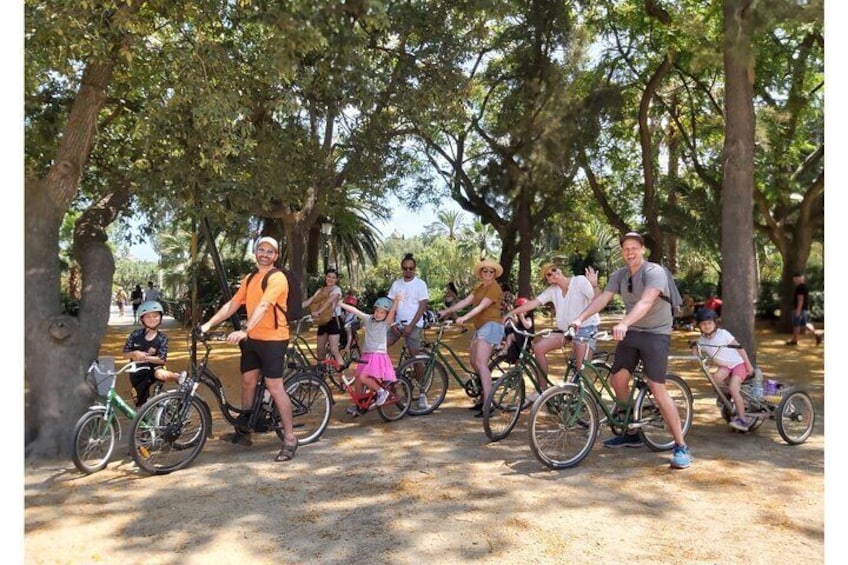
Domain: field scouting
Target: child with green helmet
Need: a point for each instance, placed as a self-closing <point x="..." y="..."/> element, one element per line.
<point x="148" y="347"/>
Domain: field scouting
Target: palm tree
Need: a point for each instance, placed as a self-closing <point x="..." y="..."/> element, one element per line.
<point x="482" y="238"/>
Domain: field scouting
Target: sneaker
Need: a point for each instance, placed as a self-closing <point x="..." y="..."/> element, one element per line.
<point x="352" y="411"/>
<point x="422" y="402"/>
<point x="680" y="457"/>
<point x="181" y="379"/>
<point x="818" y="338"/>
<point x="791" y="342"/>
<point x="382" y="396"/>
<point x="739" y="424"/>
<point x="624" y="440"/>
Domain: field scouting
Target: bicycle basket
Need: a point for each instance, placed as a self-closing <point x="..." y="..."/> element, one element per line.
<point x="101" y="377"/>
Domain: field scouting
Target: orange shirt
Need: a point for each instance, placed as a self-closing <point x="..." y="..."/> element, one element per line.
<point x="276" y="292"/>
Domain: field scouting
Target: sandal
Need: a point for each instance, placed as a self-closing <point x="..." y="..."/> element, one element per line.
<point x="287" y="452"/>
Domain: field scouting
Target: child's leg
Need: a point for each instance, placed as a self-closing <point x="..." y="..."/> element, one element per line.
<point x="369" y="382"/>
<point x="165" y="375"/>
<point x="734" y="384"/>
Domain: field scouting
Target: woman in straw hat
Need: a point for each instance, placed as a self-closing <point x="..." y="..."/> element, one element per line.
<point x="485" y="302"/>
<point x="569" y="296"/>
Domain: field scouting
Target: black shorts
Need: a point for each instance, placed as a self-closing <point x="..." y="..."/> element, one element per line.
<point x="333" y="327"/>
<point x="651" y="349"/>
<point x="141" y="382"/>
<point x="267" y="356"/>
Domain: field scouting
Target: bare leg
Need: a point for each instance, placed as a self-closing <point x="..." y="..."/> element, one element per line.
<point x="284" y="407"/>
<point x="668" y="410"/>
<point x="541" y="348"/>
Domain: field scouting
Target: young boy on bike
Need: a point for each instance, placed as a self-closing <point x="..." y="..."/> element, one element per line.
<point x="148" y="347"/>
<point x="733" y="364"/>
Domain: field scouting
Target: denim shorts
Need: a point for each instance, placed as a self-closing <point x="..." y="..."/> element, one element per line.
<point x="799" y="321"/>
<point x="586" y="332"/>
<point x="490" y="332"/>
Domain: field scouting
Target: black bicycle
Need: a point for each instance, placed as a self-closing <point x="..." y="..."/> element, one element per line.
<point x="170" y="430"/>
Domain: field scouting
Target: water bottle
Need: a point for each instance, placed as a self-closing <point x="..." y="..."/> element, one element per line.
<point x="757" y="385"/>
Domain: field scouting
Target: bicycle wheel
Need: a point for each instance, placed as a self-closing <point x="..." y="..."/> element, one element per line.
<point x="795" y="417"/>
<point x="400" y="398"/>
<point x="312" y="403"/>
<point x="563" y="427"/>
<point x="169" y="432"/>
<point x="428" y="381"/>
<point x="503" y="405"/>
<point x="95" y="436"/>
<point x="652" y="427"/>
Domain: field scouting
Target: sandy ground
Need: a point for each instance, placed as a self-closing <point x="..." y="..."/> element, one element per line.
<point x="434" y="489"/>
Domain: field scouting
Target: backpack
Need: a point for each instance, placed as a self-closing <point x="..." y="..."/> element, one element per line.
<point x="294" y="302"/>
<point x="675" y="301"/>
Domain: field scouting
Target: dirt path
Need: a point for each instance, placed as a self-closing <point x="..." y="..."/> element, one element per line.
<point x="434" y="489"/>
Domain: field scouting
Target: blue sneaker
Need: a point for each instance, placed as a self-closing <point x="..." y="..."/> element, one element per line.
<point x="624" y="440"/>
<point x="680" y="457"/>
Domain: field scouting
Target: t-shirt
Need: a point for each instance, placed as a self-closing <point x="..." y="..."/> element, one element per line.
<point x="801" y="290"/>
<point x="375" y="340"/>
<point x="158" y="346"/>
<point x="151" y="294"/>
<point x="493" y="312"/>
<point x="658" y="320"/>
<point x="722" y="356"/>
<point x="414" y="292"/>
<point x="568" y="307"/>
<point x="276" y="292"/>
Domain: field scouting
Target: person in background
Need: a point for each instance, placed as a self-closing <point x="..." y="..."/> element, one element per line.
<point x="136" y="297"/>
<point x="120" y="300"/>
<point x="801" y="313"/>
<point x="326" y="314"/>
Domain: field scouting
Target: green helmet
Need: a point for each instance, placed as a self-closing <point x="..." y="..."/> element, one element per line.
<point x="148" y="307"/>
<point x="383" y="303"/>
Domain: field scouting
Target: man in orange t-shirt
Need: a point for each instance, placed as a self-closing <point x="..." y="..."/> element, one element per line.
<point x="263" y="341"/>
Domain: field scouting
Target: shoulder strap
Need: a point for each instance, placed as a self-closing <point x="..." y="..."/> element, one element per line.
<point x="668" y="282"/>
<point x="264" y="286"/>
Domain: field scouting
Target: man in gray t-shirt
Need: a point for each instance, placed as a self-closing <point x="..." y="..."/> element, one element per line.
<point x="643" y="334"/>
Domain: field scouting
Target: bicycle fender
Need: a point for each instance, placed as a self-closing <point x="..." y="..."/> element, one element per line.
<point x="208" y="414"/>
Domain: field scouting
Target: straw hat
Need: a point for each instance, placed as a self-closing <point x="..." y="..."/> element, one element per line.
<point x="488" y="263"/>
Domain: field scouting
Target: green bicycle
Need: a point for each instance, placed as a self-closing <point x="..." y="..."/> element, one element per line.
<point x="428" y="373"/>
<point x="504" y="404"/>
<point x="99" y="429"/>
<point x="564" y="421"/>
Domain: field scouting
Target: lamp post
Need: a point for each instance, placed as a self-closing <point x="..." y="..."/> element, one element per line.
<point x="326" y="232"/>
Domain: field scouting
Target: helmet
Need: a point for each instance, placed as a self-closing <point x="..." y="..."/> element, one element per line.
<point x="148" y="307"/>
<point x="383" y="303"/>
<point x="705" y="314"/>
<point x="521" y="301"/>
<point x="351" y="299"/>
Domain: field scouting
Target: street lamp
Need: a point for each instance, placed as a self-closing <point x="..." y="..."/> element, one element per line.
<point x="326" y="232"/>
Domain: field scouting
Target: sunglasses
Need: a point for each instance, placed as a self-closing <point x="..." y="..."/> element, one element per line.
<point x="490" y="271"/>
<point x="552" y="271"/>
<point x="407" y="268"/>
<point x="630" y="284"/>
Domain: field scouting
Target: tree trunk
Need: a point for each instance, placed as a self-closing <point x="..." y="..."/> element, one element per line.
<point x="58" y="348"/>
<point x="737" y="198"/>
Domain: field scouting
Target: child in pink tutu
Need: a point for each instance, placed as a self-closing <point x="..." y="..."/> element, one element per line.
<point x="378" y="364"/>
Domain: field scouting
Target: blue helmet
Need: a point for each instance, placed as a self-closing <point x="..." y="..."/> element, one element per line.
<point x="705" y="314"/>
<point x="384" y="303"/>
